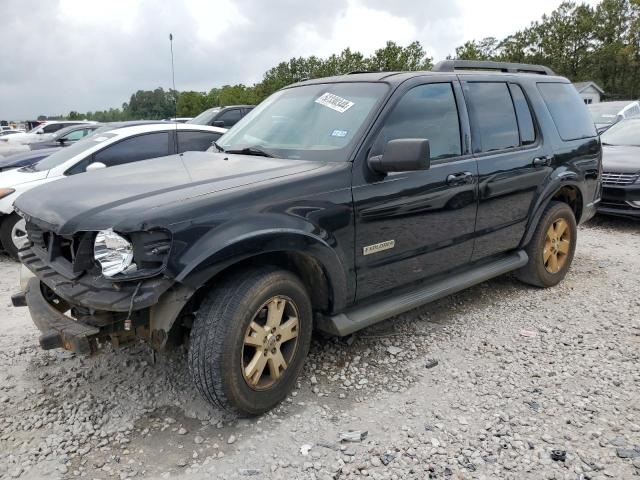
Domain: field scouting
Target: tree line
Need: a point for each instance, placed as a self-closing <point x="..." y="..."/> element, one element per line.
<point x="578" y="41"/>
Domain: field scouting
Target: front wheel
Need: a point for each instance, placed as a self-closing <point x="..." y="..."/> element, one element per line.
<point x="250" y="339"/>
<point x="551" y="248"/>
<point x="13" y="234"/>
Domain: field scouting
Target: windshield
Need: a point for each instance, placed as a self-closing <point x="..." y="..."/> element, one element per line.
<point x="312" y="122"/>
<point x="623" y="133"/>
<point x="61" y="156"/>
<point x="605" y="112"/>
<point x="205" y="117"/>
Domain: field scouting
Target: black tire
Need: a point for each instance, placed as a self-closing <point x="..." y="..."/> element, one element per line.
<point x="217" y="339"/>
<point x="6" y="227"/>
<point x="539" y="272"/>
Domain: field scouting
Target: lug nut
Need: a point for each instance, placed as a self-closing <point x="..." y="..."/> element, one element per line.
<point x="273" y="350"/>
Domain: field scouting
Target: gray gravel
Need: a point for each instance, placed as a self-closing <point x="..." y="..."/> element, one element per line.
<point x="500" y="381"/>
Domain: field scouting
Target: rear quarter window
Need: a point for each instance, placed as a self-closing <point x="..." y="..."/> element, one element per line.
<point x="568" y="111"/>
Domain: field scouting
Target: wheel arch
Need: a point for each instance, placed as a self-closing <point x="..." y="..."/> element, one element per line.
<point x="310" y="257"/>
<point x="568" y="192"/>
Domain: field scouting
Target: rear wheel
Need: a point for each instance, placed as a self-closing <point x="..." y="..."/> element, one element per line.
<point x="13" y="234"/>
<point x="249" y="340"/>
<point x="551" y="248"/>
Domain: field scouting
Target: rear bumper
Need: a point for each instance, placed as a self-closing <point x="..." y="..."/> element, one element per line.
<point x="57" y="330"/>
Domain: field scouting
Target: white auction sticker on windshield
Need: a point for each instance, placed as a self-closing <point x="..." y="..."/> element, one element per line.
<point x="335" y="102"/>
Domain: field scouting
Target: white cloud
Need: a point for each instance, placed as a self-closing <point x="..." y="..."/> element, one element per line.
<point x="61" y="55"/>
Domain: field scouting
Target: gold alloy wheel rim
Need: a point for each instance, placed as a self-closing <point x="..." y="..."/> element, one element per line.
<point x="270" y="343"/>
<point x="556" y="246"/>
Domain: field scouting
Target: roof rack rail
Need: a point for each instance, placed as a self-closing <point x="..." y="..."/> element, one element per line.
<point x="453" y="65"/>
<point x="355" y="72"/>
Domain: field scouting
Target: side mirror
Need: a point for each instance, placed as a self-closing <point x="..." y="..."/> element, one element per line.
<point x="39" y="132"/>
<point x="403" y="155"/>
<point x="218" y="123"/>
<point x="62" y="140"/>
<point x="95" y="166"/>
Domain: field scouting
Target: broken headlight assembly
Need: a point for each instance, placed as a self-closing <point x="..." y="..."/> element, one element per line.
<point x="131" y="256"/>
<point x="114" y="253"/>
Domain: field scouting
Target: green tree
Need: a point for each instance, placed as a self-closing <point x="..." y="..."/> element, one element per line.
<point x="190" y="103"/>
<point x="394" y="57"/>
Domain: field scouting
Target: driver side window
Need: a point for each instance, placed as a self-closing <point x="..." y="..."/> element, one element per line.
<point x="76" y="135"/>
<point x="426" y="111"/>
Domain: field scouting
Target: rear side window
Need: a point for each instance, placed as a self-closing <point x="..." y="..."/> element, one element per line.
<point x="568" y="111"/>
<point x="54" y="127"/>
<point x="525" y="120"/>
<point x="196" y="141"/>
<point x="493" y="116"/>
<point x="426" y="111"/>
<point x="134" y="149"/>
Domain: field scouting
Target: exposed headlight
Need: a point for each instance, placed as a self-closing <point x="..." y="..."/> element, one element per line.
<point x="113" y="252"/>
<point x="5" y="192"/>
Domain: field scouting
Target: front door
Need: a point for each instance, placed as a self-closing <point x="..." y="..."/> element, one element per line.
<point x="413" y="225"/>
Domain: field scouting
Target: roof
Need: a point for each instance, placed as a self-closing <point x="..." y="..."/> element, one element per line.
<point x="580" y="86"/>
<point x="395" y="78"/>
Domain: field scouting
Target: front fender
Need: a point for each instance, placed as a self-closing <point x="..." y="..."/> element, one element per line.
<point x="220" y="254"/>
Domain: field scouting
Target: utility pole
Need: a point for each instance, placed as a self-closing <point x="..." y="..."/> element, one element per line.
<point x="173" y="78"/>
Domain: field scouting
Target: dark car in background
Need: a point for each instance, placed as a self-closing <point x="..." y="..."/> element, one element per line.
<point x="19" y="160"/>
<point x="621" y="169"/>
<point x="66" y="136"/>
<point x="225" y="117"/>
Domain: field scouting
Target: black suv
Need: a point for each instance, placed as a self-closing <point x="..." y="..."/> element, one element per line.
<point x="225" y="117"/>
<point x="339" y="203"/>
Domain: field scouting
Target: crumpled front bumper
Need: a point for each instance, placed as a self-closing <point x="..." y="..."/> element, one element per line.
<point x="58" y="330"/>
<point x="95" y="292"/>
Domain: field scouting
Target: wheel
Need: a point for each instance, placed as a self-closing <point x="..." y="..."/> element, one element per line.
<point x="249" y="340"/>
<point x="13" y="234"/>
<point x="551" y="248"/>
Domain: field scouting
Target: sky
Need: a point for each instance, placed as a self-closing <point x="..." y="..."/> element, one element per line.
<point x="63" y="55"/>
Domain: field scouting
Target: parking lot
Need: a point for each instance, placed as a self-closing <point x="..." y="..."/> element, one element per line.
<point x="520" y="373"/>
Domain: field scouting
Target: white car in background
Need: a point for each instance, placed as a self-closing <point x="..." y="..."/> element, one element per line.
<point x="41" y="132"/>
<point x="605" y="114"/>
<point x="106" y="149"/>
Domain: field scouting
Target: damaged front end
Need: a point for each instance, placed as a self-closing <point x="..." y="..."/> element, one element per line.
<point x="77" y="306"/>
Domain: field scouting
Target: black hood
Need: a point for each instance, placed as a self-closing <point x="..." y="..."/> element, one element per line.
<point x="125" y="194"/>
<point x="620" y="159"/>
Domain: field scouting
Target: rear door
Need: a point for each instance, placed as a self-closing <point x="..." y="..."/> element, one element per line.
<point x="512" y="160"/>
<point x="413" y="225"/>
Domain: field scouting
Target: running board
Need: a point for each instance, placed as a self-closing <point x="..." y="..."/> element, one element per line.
<point x="364" y="316"/>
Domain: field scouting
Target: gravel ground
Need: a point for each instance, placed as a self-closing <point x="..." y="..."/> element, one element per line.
<point x="499" y="381"/>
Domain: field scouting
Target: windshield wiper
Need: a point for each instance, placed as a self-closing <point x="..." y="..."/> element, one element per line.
<point x="29" y="168"/>
<point x="218" y="147"/>
<point x="252" y="151"/>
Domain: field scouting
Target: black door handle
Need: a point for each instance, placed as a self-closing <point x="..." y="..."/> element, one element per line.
<point x="542" y="161"/>
<point x="460" y="178"/>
